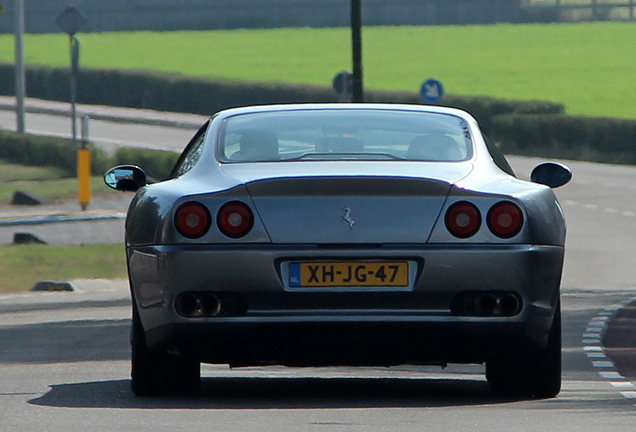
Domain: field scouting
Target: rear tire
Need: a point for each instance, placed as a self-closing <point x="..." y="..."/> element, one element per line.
<point x="529" y="373"/>
<point x="160" y="374"/>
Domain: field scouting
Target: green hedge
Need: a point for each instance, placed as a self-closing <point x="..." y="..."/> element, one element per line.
<point x="483" y="108"/>
<point x="156" y="163"/>
<point x="524" y="127"/>
<point x="579" y="138"/>
<point x="40" y="150"/>
<point x="175" y="92"/>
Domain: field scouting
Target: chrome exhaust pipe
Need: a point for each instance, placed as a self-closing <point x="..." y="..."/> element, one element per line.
<point x="509" y="305"/>
<point x="190" y="306"/>
<point x="486" y="304"/>
<point x="193" y="305"/>
<point x="210" y="304"/>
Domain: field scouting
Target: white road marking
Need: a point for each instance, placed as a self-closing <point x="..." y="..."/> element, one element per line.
<point x="610" y="375"/>
<point x="622" y="384"/>
<point x="596" y="355"/>
<point x="603" y="364"/>
<point x="594" y="351"/>
<point x="609" y="210"/>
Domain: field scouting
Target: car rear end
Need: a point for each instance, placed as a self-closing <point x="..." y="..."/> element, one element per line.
<point x="349" y="270"/>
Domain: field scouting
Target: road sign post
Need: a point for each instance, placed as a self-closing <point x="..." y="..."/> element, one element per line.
<point x="75" y="47"/>
<point x="84" y="168"/>
<point x="20" y="81"/>
<point x="71" y="20"/>
<point x="84" y="177"/>
<point x="356" y="44"/>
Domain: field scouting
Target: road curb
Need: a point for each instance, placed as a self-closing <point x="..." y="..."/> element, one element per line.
<point x="48" y="219"/>
<point x="111" y="114"/>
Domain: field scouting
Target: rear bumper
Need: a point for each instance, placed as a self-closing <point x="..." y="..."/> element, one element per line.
<point x="344" y="326"/>
<point x="369" y="343"/>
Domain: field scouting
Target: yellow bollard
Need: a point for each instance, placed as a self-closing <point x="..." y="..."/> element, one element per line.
<point x="84" y="176"/>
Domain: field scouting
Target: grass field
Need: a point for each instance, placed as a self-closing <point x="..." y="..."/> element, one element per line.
<point x="587" y="66"/>
<point x="49" y="183"/>
<point x="53" y="190"/>
<point x="21" y="267"/>
<point x="21" y="173"/>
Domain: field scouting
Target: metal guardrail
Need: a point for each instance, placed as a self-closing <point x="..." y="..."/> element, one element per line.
<point x="599" y="9"/>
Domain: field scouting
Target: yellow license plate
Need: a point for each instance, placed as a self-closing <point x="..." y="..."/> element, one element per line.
<point x="354" y="274"/>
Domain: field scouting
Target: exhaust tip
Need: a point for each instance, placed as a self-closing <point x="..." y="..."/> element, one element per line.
<point x="509" y="305"/>
<point x="209" y="305"/>
<point x="189" y="305"/>
<point x="486" y="304"/>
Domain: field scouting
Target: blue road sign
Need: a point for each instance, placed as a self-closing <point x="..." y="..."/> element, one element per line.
<point x="432" y="91"/>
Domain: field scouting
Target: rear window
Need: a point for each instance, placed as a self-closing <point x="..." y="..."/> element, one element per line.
<point x="323" y="135"/>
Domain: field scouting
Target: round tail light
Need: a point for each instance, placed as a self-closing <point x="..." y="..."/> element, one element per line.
<point x="505" y="219"/>
<point x="192" y="220"/>
<point x="235" y="219"/>
<point x="463" y="219"/>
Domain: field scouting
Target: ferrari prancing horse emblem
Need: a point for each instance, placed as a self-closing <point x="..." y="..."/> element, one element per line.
<point x="347" y="217"/>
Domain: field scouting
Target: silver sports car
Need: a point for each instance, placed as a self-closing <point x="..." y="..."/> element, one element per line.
<point x="344" y="234"/>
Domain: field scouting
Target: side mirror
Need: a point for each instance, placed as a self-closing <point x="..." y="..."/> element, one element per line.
<point x="551" y="174"/>
<point x="125" y="178"/>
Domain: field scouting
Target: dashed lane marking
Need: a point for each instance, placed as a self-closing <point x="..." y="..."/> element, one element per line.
<point x="596" y="354"/>
<point x="610" y="210"/>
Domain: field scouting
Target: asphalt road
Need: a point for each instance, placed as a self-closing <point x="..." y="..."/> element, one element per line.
<point x="64" y="363"/>
<point x="107" y="134"/>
